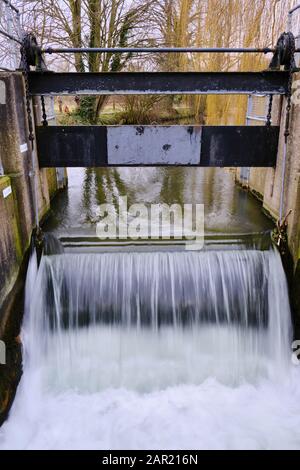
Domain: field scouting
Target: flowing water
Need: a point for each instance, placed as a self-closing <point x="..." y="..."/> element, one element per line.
<point x="162" y="349"/>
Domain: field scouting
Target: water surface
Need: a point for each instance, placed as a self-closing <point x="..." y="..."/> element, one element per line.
<point x="228" y="208"/>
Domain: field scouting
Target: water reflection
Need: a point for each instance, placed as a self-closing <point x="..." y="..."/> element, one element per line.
<point x="228" y="208"/>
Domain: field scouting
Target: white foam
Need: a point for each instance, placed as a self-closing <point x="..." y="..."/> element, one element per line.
<point x="122" y="386"/>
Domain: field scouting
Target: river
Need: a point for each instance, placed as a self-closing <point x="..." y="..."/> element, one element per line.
<point x="151" y="346"/>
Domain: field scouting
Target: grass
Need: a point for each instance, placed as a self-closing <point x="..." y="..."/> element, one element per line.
<point x="119" y="116"/>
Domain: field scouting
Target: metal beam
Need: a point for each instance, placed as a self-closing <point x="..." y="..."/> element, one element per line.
<point x="207" y="146"/>
<point x="124" y="83"/>
<point x="157" y="50"/>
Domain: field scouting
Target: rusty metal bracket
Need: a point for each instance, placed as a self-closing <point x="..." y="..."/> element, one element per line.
<point x="32" y="52"/>
<point x="284" y="53"/>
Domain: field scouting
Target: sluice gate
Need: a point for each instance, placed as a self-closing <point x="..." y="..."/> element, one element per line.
<point x="205" y="146"/>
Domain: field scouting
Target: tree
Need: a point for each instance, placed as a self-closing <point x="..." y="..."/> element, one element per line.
<point x="90" y="23"/>
<point x="173" y="23"/>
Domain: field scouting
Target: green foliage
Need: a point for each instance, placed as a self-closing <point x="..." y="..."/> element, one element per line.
<point x="135" y="110"/>
<point x="86" y="109"/>
<point x="127" y="25"/>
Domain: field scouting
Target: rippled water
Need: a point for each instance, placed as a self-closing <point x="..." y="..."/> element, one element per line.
<point x="228" y="208"/>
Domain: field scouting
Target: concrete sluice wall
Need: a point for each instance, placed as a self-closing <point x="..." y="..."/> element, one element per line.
<point x="266" y="184"/>
<point x="17" y="221"/>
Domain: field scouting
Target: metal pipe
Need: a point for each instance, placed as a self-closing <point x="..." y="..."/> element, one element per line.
<point x="8" y="3"/>
<point x="9" y="36"/>
<point x="294" y="9"/>
<point x="256" y="118"/>
<point x="290" y="17"/>
<point x="156" y="50"/>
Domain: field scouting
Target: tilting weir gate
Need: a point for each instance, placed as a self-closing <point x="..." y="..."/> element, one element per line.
<point x="208" y="146"/>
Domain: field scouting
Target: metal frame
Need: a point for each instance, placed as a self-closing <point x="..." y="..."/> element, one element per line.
<point x="157" y="50"/>
<point x="9" y="4"/>
<point x="206" y="146"/>
<point x="245" y="171"/>
<point x="13" y="26"/>
<point x="123" y="83"/>
<point x="254" y="117"/>
<point x="91" y="146"/>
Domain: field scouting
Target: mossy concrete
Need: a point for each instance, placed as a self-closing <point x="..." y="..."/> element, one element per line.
<point x="17" y="217"/>
<point x="266" y="184"/>
<point x="11" y="252"/>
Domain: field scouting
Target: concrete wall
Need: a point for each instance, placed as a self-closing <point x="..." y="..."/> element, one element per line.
<point x="11" y="244"/>
<point x="266" y="184"/>
<point x="17" y="219"/>
<point x="258" y="177"/>
<point x="17" y="208"/>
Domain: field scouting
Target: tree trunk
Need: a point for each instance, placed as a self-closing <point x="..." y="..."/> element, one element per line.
<point x="75" y="6"/>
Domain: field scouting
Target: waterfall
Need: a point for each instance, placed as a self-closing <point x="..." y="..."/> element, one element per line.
<point x="206" y="313"/>
<point x="112" y="338"/>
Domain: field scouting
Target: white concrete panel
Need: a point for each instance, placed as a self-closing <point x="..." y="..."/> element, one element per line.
<point x="153" y="145"/>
